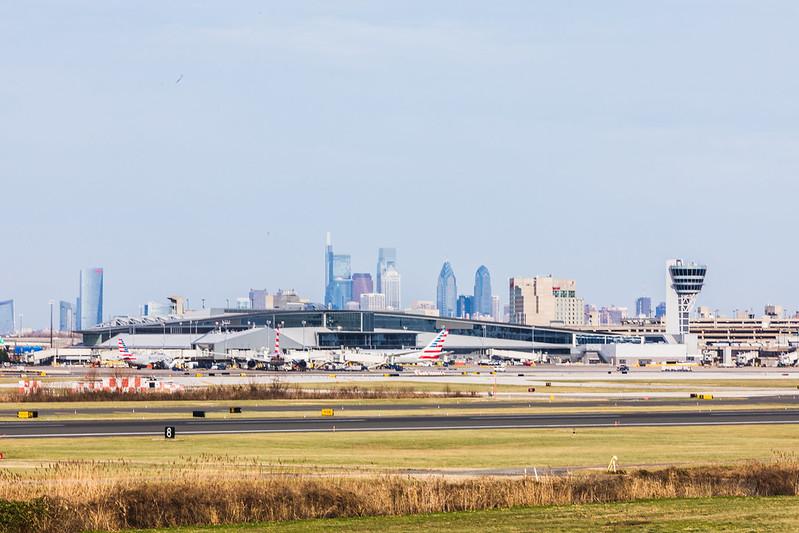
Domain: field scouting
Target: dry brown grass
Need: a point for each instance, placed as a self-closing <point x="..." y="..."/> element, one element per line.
<point x="275" y="390"/>
<point x="76" y="496"/>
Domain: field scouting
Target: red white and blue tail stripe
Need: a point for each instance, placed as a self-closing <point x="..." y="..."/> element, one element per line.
<point x="434" y="349"/>
<point x="123" y="350"/>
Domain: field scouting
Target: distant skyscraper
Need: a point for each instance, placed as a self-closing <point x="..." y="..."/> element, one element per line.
<point x="446" y="291"/>
<point x="496" y="309"/>
<point x="328" y="271"/>
<point x="643" y="307"/>
<point x="338" y="278"/>
<point x="385" y="257"/>
<point x="660" y="310"/>
<point x="66" y="316"/>
<point x="373" y="301"/>
<point x="260" y="299"/>
<point x="7" y="324"/>
<point x="544" y="300"/>
<point x="361" y="284"/>
<point x="464" y="307"/>
<point x="482" y="292"/>
<point x="91" y="298"/>
<point x="391" y="288"/>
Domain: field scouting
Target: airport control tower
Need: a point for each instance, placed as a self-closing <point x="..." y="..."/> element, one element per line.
<point x="683" y="283"/>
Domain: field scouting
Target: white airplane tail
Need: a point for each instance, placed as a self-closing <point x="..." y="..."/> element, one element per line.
<point x="436" y="346"/>
<point x="123" y="350"/>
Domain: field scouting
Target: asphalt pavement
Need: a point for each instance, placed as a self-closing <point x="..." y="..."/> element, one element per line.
<point x="198" y="426"/>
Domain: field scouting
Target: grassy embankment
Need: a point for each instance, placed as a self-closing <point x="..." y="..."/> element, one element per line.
<point x="82" y="497"/>
<point x="776" y="514"/>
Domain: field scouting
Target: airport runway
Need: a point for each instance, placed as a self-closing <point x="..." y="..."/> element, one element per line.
<point x="108" y="428"/>
<point x="142" y="407"/>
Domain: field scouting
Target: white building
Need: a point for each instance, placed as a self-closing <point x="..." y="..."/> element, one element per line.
<point x="496" y="309"/>
<point x="373" y="301"/>
<point x="391" y="288"/>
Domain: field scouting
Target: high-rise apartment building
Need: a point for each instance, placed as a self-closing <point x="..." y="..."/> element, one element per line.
<point x="66" y="316"/>
<point x="660" y="310"/>
<point x="544" y="300"/>
<point x="7" y="317"/>
<point x="643" y="307"/>
<point x="482" y="292"/>
<point x="446" y="291"/>
<point x="90" y="311"/>
<point x="392" y="288"/>
<point x="385" y="257"/>
<point x="361" y="284"/>
<point x="373" y="301"/>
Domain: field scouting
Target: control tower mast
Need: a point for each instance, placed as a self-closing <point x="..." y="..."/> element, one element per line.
<point x="683" y="283"/>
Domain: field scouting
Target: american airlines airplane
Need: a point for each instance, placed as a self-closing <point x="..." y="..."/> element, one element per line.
<point x="430" y="354"/>
<point x="141" y="361"/>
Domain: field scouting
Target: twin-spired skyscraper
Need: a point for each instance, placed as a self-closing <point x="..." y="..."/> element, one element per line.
<point x="480" y="304"/>
<point x="446" y="291"/>
<point x="482" y="292"/>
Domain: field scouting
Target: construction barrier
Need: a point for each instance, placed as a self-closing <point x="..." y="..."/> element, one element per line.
<point x="134" y="384"/>
<point x="27" y="414"/>
<point x="27" y="386"/>
<point x="327" y="412"/>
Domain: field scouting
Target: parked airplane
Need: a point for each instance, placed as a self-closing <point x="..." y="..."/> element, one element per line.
<point x="430" y="354"/>
<point x="141" y="361"/>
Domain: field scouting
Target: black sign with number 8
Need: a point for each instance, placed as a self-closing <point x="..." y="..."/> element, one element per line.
<point x="169" y="432"/>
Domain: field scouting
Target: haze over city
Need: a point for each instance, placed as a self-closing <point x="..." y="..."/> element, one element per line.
<point x="204" y="152"/>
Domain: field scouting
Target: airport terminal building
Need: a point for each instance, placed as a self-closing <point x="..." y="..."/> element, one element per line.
<point x="227" y="331"/>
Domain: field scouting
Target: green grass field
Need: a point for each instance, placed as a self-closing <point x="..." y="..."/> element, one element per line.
<point x="775" y="514"/>
<point x="453" y="449"/>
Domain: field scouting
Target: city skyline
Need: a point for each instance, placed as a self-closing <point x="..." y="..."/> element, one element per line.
<point x="342" y="266"/>
<point x="660" y="162"/>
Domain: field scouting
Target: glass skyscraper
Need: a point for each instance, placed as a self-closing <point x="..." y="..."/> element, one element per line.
<point x="7" y="324"/>
<point x="643" y="307"/>
<point x="328" y="272"/>
<point x="465" y="306"/>
<point x="482" y="292"/>
<point x="66" y="316"/>
<point x="361" y="284"/>
<point x="385" y="257"/>
<point x="446" y="291"/>
<point x="90" y="311"/>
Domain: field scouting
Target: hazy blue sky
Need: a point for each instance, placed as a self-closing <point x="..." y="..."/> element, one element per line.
<point x="591" y="140"/>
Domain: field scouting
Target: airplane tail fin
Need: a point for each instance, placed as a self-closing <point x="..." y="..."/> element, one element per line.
<point x="123" y="350"/>
<point x="436" y="346"/>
